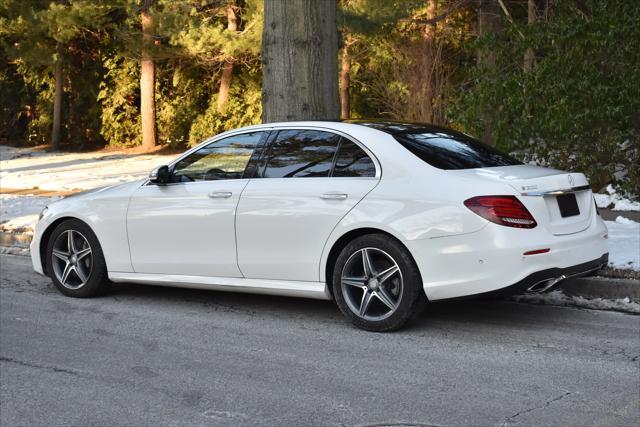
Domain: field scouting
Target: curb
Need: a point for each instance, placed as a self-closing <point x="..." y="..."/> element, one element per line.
<point x="17" y="238"/>
<point x="609" y="215"/>
<point x="601" y="287"/>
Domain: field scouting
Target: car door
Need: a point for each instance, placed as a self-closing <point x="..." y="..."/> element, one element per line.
<point x="187" y="227"/>
<point x="306" y="182"/>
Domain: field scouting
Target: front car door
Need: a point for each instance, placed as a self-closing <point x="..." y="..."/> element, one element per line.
<point x="306" y="181"/>
<point x="187" y="227"/>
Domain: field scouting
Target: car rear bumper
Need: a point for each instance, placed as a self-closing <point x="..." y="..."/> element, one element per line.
<point x="544" y="280"/>
<point x="494" y="259"/>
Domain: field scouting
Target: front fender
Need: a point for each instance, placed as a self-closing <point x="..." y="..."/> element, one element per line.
<point x="105" y="212"/>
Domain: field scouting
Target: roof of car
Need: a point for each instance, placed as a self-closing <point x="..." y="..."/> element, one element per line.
<point x="394" y="128"/>
<point x="398" y="128"/>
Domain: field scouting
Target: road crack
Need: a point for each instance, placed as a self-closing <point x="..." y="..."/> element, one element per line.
<point x="37" y="366"/>
<point x="546" y="404"/>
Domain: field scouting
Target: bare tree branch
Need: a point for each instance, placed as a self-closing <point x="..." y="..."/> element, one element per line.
<point x="448" y="11"/>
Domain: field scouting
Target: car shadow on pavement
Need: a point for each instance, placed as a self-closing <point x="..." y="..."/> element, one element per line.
<point x="501" y="313"/>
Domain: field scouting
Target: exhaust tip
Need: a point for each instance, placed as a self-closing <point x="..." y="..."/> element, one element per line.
<point x="545" y="285"/>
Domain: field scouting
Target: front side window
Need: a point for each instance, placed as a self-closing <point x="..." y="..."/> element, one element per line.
<point x="352" y="161"/>
<point x="223" y="159"/>
<point x="301" y="154"/>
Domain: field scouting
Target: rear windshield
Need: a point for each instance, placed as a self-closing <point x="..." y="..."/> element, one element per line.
<point x="452" y="150"/>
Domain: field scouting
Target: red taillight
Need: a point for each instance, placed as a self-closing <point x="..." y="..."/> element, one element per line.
<point x="537" y="251"/>
<point x="503" y="210"/>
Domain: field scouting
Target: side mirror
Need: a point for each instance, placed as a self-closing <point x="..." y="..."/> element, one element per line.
<point x="160" y="175"/>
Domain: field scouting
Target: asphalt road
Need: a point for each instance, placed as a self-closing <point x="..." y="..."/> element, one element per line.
<point x="161" y="356"/>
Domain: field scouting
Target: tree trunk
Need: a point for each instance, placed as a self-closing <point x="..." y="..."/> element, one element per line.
<point x="426" y="101"/>
<point x="57" y="105"/>
<point x="345" y="80"/>
<point x="488" y="22"/>
<point x="227" y="68"/>
<point x="300" y="61"/>
<point x="147" y="79"/>
<point x="529" y="56"/>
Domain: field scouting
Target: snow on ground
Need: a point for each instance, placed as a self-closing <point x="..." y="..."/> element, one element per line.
<point x="619" y="203"/>
<point x="624" y="243"/>
<point x="27" y="168"/>
<point x="559" y="298"/>
<point x="21" y="211"/>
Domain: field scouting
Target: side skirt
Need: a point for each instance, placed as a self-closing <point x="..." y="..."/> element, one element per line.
<point x="315" y="290"/>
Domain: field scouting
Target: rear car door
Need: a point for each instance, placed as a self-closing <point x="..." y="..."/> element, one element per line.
<point x="306" y="181"/>
<point x="187" y="227"/>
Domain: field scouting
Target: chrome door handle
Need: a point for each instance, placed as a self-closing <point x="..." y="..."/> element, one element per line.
<point x="220" y="194"/>
<point x="334" y="196"/>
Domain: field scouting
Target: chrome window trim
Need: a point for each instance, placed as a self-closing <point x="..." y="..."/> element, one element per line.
<point x="224" y="135"/>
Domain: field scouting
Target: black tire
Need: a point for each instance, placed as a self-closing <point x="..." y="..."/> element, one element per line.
<point x="96" y="279"/>
<point x="409" y="301"/>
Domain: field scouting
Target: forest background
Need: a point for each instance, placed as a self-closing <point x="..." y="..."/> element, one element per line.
<point x="555" y="82"/>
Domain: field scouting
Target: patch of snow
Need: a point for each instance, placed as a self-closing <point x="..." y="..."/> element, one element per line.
<point x="625" y="221"/>
<point x="560" y="299"/>
<point x="618" y="203"/>
<point x="21" y="211"/>
<point x="624" y="243"/>
<point x="27" y="168"/>
<point x="14" y="250"/>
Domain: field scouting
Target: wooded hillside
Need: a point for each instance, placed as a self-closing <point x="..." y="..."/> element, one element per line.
<point x="552" y="81"/>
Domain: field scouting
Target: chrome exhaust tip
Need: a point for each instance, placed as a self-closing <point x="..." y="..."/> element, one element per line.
<point x="545" y="285"/>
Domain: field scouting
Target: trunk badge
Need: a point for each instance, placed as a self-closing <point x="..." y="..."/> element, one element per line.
<point x="571" y="181"/>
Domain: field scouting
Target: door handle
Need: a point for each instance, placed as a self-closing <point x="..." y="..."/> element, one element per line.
<point x="334" y="196"/>
<point x="220" y="194"/>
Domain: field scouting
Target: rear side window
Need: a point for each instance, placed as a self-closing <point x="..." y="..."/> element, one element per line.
<point x="453" y="150"/>
<point x="301" y="154"/>
<point x="352" y="161"/>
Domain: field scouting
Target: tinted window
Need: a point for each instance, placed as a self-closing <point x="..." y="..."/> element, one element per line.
<point x="353" y="161"/>
<point x="222" y="159"/>
<point x="453" y="150"/>
<point x="301" y="153"/>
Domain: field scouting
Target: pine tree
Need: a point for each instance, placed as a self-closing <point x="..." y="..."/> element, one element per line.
<point x="299" y="59"/>
<point x="43" y="39"/>
<point x="147" y="77"/>
<point x="359" y="21"/>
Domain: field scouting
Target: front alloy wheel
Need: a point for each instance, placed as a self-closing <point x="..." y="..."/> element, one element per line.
<point x="71" y="259"/>
<point x="75" y="261"/>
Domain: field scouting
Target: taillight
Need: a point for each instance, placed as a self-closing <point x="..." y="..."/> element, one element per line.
<point x="503" y="210"/>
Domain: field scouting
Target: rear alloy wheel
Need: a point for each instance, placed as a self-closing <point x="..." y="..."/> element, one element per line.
<point x="377" y="284"/>
<point x="75" y="260"/>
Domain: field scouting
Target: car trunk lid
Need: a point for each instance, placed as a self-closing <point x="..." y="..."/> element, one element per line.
<point x="561" y="202"/>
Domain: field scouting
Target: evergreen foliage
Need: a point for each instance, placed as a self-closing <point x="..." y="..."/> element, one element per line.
<point x="577" y="108"/>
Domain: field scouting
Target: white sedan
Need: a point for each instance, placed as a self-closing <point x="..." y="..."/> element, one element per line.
<point x="379" y="216"/>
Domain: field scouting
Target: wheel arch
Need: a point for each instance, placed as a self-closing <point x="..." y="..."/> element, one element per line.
<point x="343" y="241"/>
